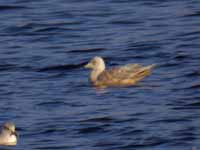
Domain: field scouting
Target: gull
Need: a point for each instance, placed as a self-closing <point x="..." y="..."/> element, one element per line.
<point x="126" y="75"/>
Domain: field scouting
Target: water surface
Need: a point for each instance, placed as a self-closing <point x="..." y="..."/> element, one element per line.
<point x="44" y="88"/>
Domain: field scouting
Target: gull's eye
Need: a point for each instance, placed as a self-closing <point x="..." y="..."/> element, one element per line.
<point x="94" y="62"/>
<point x="6" y="128"/>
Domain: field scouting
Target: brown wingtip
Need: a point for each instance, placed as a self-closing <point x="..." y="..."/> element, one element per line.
<point x="151" y="66"/>
<point x="145" y="71"/>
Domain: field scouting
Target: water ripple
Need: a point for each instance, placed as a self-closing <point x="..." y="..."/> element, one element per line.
<point x="11" y="7"/>
<point x="45" y="90"/>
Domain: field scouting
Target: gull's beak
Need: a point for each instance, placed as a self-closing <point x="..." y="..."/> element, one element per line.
<point x="15" y="133"/>
<point x="89" y="65"/>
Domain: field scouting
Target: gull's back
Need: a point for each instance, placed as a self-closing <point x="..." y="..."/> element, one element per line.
<point x="126" y="75"/>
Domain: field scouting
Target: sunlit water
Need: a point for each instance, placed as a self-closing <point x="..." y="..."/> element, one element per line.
<point x="44" y="88"/>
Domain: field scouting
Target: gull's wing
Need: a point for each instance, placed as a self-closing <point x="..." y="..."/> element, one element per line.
<point x="127" y="74"/>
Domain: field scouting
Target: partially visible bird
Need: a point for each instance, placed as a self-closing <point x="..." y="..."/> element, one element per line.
<point x="126" y="75"/>
<point x="8" y="135"/>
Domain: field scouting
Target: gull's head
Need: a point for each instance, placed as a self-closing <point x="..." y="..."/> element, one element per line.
<point x="10" y="127"/>
<point x="97" y="63"/>
<point x="8" y="134"/>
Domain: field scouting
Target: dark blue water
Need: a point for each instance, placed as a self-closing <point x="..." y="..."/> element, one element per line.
<point x="44" y="88"/>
